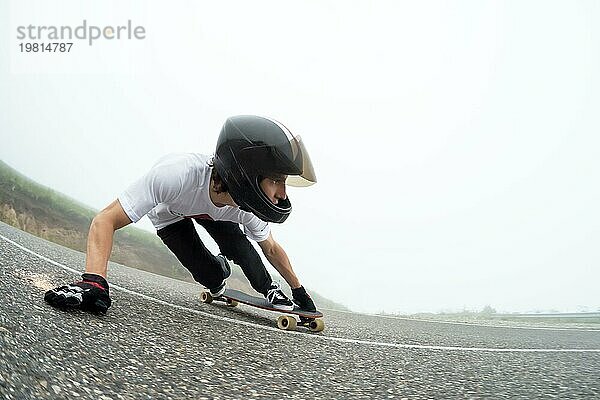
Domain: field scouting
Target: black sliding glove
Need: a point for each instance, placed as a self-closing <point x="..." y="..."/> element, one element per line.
<point x="303" y="299"/>
<point x="90" y="294"/>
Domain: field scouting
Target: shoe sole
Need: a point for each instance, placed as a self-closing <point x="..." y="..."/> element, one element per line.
<point x="218" y="293"/>
<point x="283" y="308"/>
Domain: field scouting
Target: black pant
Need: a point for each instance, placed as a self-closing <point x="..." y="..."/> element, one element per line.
<point x="183" y="240"/>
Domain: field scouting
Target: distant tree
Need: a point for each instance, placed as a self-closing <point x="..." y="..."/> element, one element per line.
<point x="487" y="310"/>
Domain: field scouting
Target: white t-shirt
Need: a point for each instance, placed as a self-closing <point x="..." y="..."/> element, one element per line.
<point x="176" y="187"/>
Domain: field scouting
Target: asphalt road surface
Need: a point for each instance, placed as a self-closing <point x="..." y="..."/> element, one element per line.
<point x="158" y="341"/>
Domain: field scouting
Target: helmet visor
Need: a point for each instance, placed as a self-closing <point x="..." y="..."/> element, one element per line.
<point x="302" y="161"/>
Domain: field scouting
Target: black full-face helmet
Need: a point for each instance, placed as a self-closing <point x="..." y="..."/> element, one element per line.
<point x="252" y="148"/>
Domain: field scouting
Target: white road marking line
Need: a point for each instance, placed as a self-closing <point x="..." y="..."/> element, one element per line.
<point x="433" y="321"/>
<point x="317" y="337"/>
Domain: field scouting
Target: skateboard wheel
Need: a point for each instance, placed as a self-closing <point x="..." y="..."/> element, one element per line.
<point x="205" y="297"/>
<point x="232" y="303"/>
<point x="286" y="323"/>
<point x="316" y="325"/>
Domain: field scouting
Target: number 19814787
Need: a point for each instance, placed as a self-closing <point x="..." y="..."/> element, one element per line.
<point x="55" y="47"/>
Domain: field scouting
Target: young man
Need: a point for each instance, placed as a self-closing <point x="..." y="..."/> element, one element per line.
<point x="243" y="184"/>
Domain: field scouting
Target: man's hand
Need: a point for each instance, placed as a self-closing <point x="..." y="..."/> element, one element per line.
<point x="303" y="299"/>
<point x="90" y="294"/>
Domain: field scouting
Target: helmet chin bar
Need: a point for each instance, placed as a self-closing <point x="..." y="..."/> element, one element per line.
<point x="257" y="203"/>
<point x="282" y="209"/>
<point x="267" y="216"/>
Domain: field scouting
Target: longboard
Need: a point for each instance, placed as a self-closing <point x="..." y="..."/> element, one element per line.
<point x="231" y="297"/>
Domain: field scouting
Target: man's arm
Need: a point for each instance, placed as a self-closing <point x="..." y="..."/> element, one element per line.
<point x="100" y="237"/>
<point x="279" y="259"/>
<point x="92" y="292"/>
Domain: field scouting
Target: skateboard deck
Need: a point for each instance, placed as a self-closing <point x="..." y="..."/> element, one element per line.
<point x="231" y="297"/>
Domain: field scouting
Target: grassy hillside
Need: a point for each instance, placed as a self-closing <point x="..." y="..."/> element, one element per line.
<point x="46" y="213"/>
<point x="53" y="216"/>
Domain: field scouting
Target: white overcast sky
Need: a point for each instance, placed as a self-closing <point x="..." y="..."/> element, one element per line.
<point x="456" y="144"/>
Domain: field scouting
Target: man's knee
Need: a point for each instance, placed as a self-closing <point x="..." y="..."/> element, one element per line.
<point x="208" y="273"/>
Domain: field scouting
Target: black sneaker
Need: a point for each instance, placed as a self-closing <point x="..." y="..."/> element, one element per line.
<point x="278" y="299"/>
<point x="226" y="265"/>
